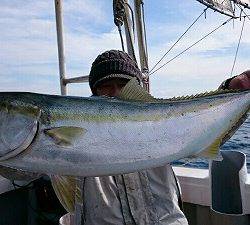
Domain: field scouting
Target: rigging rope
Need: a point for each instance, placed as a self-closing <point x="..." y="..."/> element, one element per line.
<point x="192" y="45"/>
<point x="242" y="28"/>
<point x="120" y="33"/>
<point x="243" y="11"/>
<point x="132" y="16"/>
<point x="204" y="11"/>
<point x="119" y="14"/>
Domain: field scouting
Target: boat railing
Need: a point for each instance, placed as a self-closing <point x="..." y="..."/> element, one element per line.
<point x="194" y="183"/>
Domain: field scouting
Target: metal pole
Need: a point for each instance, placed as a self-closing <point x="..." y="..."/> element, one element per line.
<point x="142" y="45"/>
<point x="129" y="31"/>
<point x="82" y="79"/>
<point x="60" y="44"/>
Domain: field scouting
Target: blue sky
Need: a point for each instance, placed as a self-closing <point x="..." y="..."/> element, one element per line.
<point x="28" y="48"/>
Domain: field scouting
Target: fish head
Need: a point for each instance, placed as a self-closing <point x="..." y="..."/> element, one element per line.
<point x="18" y="127"/>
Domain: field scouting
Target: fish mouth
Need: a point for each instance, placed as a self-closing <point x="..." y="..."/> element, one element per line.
<point x="17" y="131"/>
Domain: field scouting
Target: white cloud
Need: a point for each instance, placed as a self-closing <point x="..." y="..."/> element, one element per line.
<point x="223" y="38"/>
<point x="204" y="66"/>
<point x="28" y="47"/>
<point x="26" y="9"/>
<point x="91" y="10"/>
<point x="191" y="75"/>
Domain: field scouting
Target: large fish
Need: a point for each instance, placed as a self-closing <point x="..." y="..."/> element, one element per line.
<point x="102" y="136"/>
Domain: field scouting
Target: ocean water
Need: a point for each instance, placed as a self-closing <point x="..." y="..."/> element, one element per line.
<point x="240" y="141"/>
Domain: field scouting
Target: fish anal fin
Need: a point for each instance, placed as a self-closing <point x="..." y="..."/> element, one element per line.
<point x="212" y="152"/>
<point x="134" y="92"/>
<point x="65" y="135"/>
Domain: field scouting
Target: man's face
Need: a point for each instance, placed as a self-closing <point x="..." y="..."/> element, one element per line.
<point x="111" y="88"/>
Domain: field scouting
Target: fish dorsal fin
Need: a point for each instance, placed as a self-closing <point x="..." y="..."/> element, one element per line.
<point x="134" y="92"/>
<point x="65" y="135"/>
<point x="212" y="151"/>
<point x="205" y="94"/>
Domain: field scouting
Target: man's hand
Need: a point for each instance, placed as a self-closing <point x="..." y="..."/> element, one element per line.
<point x="241" y="81"/>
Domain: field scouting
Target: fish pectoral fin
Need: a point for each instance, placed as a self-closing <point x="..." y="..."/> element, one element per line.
<point x="134" y="92"/>
<point x="65" y="135"/>
<point x="212" y="152"/>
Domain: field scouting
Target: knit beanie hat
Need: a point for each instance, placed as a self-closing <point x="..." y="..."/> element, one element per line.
<point x="112" y="64"/>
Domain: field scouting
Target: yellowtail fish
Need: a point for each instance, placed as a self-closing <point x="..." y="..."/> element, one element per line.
<point x="102" y="136"/>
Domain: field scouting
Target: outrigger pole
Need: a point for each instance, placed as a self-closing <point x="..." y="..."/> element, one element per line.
<point x="129" y="31"/>
<point x="142" y="42"/>
<point x="61" y="54"/>
<point x="122" y="15"/>
<point x="60" y="44"/>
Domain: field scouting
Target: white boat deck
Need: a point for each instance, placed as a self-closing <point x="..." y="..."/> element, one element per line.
<point x="196" y="188"/>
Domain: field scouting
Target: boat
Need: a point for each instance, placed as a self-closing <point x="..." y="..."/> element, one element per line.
<point x="195" y="183"/>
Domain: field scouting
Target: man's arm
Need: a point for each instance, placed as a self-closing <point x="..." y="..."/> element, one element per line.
<point x="241" y="81"/>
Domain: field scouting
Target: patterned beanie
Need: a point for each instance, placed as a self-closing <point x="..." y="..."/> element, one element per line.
<point x="112" y="64"/>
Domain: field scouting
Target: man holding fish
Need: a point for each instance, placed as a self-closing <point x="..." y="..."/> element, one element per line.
<point x="141" y="198"/>
<point x="105" y="140"/>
